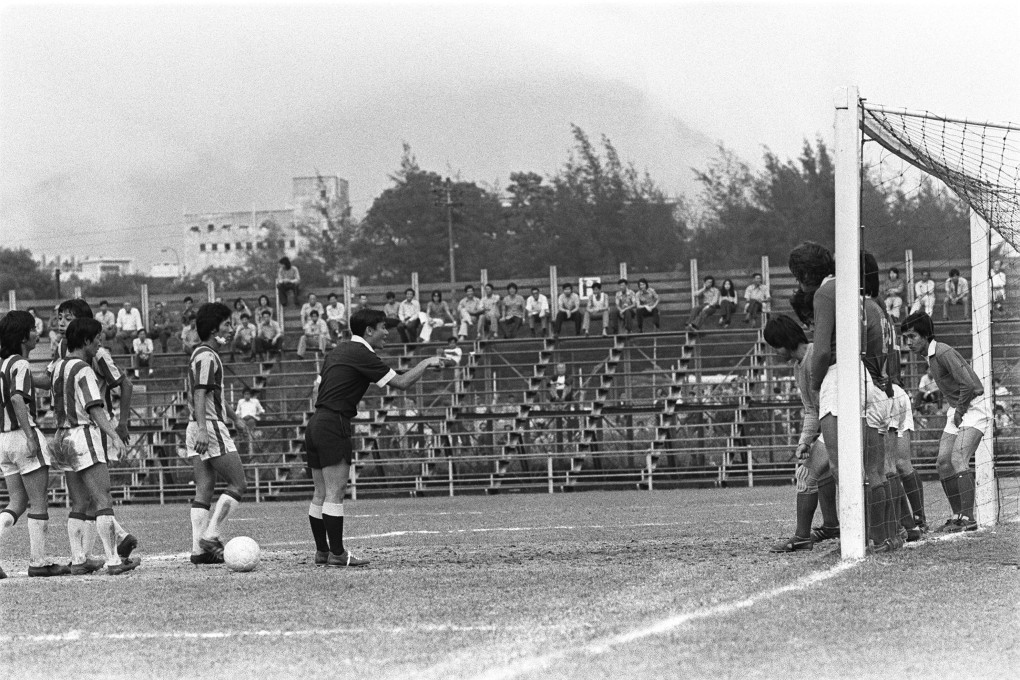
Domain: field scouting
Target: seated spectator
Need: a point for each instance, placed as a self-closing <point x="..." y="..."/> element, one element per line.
<point x="313" y="305"/>
<point x="998" y="276"/>
<point x="437" y="314"/>
<point x="924" y="294"/>
<point x="244" y="338"/>
<point x="269" y="338"/>
<point x="162" y="325"/>
<point x="391" y="308"/>
<point x="109" y="321"/>
<point x="129" y="322"/>
<point x="624" y="308"/>
<point x="513" y="312"/>
<point x="568" y="308"/>
<point x="647" y="301"/>
<point x="288" y="280"/>
<point x="141" y="347"/>
<point x="957" y="293"/>
<point x="707" y="303"/>
<point x="188" y="313"/>
<point x="336" y="317"/>
<point x="468" y="309"/>
<point x="598" y="305"/>
<point x="756" y="296"/>
<point x="409" y="315"/>
<point x="537" y="309"/>
<point x="727" y="302"/>
<point x="262" y="306"/>
<point x="189" y="337"/>
<point x="488" y="321"/>
<point x="892" y="292"/>
<point x="315" y="335"/>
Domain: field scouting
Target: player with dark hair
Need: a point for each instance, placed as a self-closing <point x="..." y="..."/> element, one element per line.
<point x="347" y="372"/>
<point x="815" y="484"/>
<point x="85" y="434"/>
<point x="24" y="456"/>
<point x="208" y="442"/>
<point x="966" y="419"/>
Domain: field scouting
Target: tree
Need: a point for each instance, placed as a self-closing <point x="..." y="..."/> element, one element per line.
<point x="20" y="273"/>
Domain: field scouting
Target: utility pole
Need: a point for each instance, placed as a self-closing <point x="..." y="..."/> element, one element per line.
<point x="444" y="198"/>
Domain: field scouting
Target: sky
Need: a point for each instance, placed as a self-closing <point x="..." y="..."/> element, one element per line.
<point x="116" y="120"/>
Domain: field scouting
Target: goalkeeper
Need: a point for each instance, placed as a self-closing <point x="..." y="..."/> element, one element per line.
<point x="815" y="484"/>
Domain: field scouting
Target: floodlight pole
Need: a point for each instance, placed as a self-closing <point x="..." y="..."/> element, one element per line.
<point x="847" y="155"/>
<point x="986" y="503"/>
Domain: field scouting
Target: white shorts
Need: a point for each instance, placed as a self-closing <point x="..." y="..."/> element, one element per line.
<point x="874" y="402"/>
<point x="80" y="448"/>
<point x="15" y="458"/>
<point x="901" y="411"/>
<point x="220" y="441"/>
<point x="977" y="416"/>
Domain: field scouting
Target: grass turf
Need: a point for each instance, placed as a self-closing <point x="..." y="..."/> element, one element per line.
<point x="520" y="586"/>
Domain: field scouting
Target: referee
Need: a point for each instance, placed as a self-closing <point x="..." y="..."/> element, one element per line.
<point x="346" y="374"/>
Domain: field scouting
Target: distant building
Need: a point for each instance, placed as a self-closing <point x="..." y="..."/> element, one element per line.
<point x="94" y="269"/>
<point x="223" y="239"/>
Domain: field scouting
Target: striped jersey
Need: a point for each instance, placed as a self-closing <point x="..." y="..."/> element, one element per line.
<point x="205" y="372"/>
<point x="15" y="378"/>
<point x="75" y="390"/>
<point x="108" y="373"/>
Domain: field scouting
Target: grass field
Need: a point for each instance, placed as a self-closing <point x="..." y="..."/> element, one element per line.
<point x="667" y="584"/>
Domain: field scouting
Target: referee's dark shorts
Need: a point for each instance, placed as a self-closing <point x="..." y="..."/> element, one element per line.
<point x="328" y="439"/>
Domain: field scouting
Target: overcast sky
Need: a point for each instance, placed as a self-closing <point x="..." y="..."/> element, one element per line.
<point x="116" y="120"/>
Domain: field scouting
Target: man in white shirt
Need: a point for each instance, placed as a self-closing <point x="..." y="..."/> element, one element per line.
<point x="598" y="305"/>
<point x="924" y="294"/>
<point x="537" y="308"/>
<point x="957" y="293"/>
<point x="141" y="347"/>
<point x="129" y="321"/>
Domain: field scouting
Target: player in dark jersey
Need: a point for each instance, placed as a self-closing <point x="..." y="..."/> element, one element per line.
<point x="347" y="372"/>
<point x="210" y="447"/>
<point x="24" y="455"/>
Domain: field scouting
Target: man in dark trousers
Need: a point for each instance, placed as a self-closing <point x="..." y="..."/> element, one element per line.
<point x="347" y="373"/>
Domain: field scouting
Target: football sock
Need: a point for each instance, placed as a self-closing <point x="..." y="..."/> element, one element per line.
<point x="7" y="520"/>
<point x="827" y="501"/>
<point x="91" y="534"/>
<point x="37" y="525"/>
<point x="199" y="521"/>
<point x="951" y="486"/>
<point x="333" y="518"/>
<point x="108" y="535"/>
<point x="807" y="503"/>
<point x="218" y="518"/>
<point x="965" y="482"/>
<point x="915" y="493"/>
<point x="76" y="536"/>
<point x="898" y="498"/>
<point x="318" y="528"/>
<point x="876" y="502"/>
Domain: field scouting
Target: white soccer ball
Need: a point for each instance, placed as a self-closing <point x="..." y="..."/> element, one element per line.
<point x="241" y="554"/>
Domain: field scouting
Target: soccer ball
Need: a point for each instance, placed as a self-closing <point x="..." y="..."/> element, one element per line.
<point x="241" y="554"/>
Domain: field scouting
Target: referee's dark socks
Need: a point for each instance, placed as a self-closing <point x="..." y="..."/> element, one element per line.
<point x="333" y="518"/>
<point x="318" y="527"/>
<point x="915" y="494"/>
<point x="806" y="505"/>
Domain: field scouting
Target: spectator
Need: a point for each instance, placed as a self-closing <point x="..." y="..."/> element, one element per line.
<point x="756" y="296"/>
<point x="488" y="321"/>
<point x="924" y="294"/>
<point x="336" y="317"/>
<point x="109" y="321"/>
<point x="189" y="337"/>
<point x="244" y="338"/>
<point x="392" y="310"/>
<point x="409" y="315"/>
<point x="288" y="280"/>
<point x="647" y="305"/>
<point x="598" y="304"/>
<point x="437" y="314"/>
<point x="537" y="309"/>
<point x="263" y="306"/>
<point x="727" y="302"/>
<point x="998" y="276"/>
<point x="162" y="325"/>
<point x="141" y="347"/>
<point x="129" y="322"/>
<point x="269" y="338"/>
<point x="707" y="303"/>
<point x="892" y="292"/>
<point x="315" y="334"/>
<point x="468" y="309"/>
<point x="957" y="293"/>
<point x="513" y="311"/>
<point x="623" y="308"/>
<point x="568" y="308"/>
<point x="312" y="305"/>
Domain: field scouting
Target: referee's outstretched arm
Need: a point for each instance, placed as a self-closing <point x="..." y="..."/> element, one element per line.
<point x="404" y="380"/>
